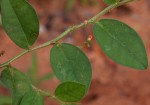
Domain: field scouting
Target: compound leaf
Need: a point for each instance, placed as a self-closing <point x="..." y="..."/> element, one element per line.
<point x="16" y="82"/>
<point x="20" y="22"/>
<point x="32" y="98"/>
<point x="70" y="91"/>
<point x="121" y="43"/>
<point x="70" y="64"/>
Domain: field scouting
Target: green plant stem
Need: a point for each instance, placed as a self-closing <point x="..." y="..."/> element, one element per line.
<point x="45" y="93"/>
<point x="65" y="33"/>
<point x="42" y="92"/>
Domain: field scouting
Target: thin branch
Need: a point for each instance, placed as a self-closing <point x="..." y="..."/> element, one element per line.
<point x="65" y="33"/>
<point x="45" y="93"/>
<point x="42" y="92"/>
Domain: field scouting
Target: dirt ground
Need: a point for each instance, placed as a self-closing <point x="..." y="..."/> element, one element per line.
<point x="112" y="84"/>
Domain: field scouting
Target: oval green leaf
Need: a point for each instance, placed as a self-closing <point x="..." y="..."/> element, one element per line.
<point x="32" y="98"/>
<point x="70" y="91"/>
<point x="121" y="43"/>
<point x="70" y="64"/>
<point x="20" y="22"/>
<point x="110" y="1"/>
<point x="16" y="82"/>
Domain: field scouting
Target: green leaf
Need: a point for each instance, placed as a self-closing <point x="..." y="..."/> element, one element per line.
<point x="70" y="91"/>
<point x="121" y="43"/>
<point x="20" y="22"/>
<point x="70" y="64"/>
<point x="16" y="82"/>
<point x="5" y="100"/>
<point x="32" y="98"/>
<point x="111" y="1"/>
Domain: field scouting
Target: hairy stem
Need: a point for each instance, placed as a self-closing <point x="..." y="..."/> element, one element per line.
<point x="65" y="33"/>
